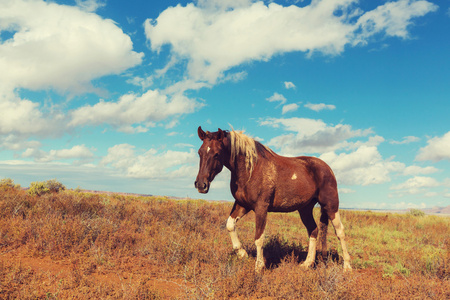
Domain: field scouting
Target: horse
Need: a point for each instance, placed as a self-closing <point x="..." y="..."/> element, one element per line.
<point x="263" y="181"/>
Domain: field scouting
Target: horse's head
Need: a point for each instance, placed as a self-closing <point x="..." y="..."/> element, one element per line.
<point x="212" y="157"/>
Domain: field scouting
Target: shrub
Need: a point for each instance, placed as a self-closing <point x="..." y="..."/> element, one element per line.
<point x="54" y="186"/>
<point x="39" y="188"/>
<point x="416" y="212"/>
<point x="9" y="183"/>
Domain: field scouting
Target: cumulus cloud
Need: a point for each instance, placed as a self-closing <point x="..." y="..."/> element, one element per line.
<point x="215" y="36"/>
<point x="289" y="107"/>
<point x="437" y="148"/>
<point x="406" y="140"/>
<point x="90" y="5"/>
<point x="150" y="164"/>
<point x="310" y="135"/>
<point x="392" y="19"/>
<point x="289" y="85"/>
<point x="132" y="109"/>
<point x="413" y="185"/>
<point x="59" y="46"/>
<point x="16" y="143"/>
<point x="320" y="106"/>
<point x="365" y="166"/>
<point x="416" y="170"/>
<point x="52" y="46"/>
<point x="277" y="98"/>
<point x="79" y="152"/>
<point x="22" y="117"/>
<point x="346" y="191"/>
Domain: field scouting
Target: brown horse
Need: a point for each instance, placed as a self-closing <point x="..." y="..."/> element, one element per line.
<point x="264" y="182"/>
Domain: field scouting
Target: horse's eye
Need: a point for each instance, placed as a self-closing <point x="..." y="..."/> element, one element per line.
<point x="216" y="155"/>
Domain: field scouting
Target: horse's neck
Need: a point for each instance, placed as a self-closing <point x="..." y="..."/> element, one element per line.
<point x="239" y="172"/>
<point x="237" y="167"/>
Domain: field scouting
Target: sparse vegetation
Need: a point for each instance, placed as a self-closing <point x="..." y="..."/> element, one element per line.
<point x="80" y="245"/>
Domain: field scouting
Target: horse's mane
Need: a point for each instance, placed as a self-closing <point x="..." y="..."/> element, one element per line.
<point x="247" y="146"/>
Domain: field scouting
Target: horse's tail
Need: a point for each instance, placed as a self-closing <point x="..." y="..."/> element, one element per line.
<point x="323" y="229"/>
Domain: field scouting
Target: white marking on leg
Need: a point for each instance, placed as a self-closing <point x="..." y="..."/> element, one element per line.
<point x="294" y="176"/>
<point x="231" y="227"/>
<point x="259" y="253"/>
<point x="311" y="253"/>
<point x="339" y="228"/>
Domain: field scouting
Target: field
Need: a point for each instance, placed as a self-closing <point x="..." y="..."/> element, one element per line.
<point x="75" y="245"/>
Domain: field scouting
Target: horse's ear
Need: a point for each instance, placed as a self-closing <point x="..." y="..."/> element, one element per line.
<point x="201" y="133"/>
<point x="221" y="135"/>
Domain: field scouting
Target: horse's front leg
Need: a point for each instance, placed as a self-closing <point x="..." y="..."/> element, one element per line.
<point x="260" y="222"/>
<point x="236" y="213"/>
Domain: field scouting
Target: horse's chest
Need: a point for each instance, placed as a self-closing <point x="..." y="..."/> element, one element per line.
<point x="240" y="194"/>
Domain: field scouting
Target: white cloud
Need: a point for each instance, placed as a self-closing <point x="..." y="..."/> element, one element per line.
<point x="416" y="170"/>
<point x="132" y="109"/>
<point x="24" y="117"/>
<point x="418" y="185"/>
<point x="392" y="18"/>
<point x="438" y="148"/>
<point x="90" y="5"/>
<point x="215" y="36"/>
<point x="59" y="46"/>
<point x="15" y="143"/>
<point x="311" y="136"/>
<point x="406" y="140"/>
<point x="151" y="164"/>
<point x="289" y="85"/>
<point x="346" y="191"/>
<point x="320" y="106"/>
<point x="365" y="166"/>
<point x="76" y="152"/>
<point x="277" y="98"/>
<point x="289" y="107"/>
<point x="414" y="184"/>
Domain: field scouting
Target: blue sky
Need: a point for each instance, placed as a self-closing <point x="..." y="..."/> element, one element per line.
<point x="108" y="96"/>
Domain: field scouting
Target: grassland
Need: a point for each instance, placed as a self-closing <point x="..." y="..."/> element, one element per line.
<point x="75" y="245"/>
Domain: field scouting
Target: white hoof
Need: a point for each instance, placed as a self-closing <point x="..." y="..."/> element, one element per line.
<point x="259" y="266"/>
<point x="347" y="267"/>
<point x="306" y="264"/>
<point x="242" y="253"/>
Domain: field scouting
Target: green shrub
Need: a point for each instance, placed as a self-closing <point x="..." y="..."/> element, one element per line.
<point x="416" y="212"/>
<point x="38" y="188"/>
<point x="9" y="183"/>
<point x="54" y="186"/>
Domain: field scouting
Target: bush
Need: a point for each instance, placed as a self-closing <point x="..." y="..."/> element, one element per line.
<point x="9" y="183"/>
<point x="54" y="186"/>
<point x="416" y="212"/>
<point x="38" y="188"/>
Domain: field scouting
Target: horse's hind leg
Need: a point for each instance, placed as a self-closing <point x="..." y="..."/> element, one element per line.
<point x="323" y="230"/>
<point x="339" y="228"/>
<point x="236" y="213"/>
<point x="306" y="214"/>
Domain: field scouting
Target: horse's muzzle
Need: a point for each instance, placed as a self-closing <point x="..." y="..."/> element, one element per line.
<point x="202" y="187"/>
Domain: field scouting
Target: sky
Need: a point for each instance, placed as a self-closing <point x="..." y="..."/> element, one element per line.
<point x="108" y="95"/>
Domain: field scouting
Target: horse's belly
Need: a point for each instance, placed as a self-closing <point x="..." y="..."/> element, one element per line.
<point x="287" y="202"/>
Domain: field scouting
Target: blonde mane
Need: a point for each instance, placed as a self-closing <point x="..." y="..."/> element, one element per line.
<point x="243" y="144"/>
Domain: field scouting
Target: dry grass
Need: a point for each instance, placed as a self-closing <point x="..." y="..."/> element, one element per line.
<point x="73" y="245"/>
